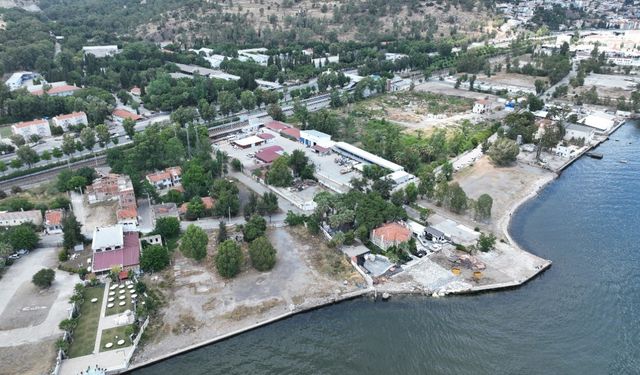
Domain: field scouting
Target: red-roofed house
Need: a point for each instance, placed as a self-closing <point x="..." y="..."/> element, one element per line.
<point x="269" y="154"/>
<point x="53" y="89"/>
<point x="119" y="115"/>
<point x="276" y="126"/>
<point x="112" y="187"/>
<point x="71" y="119"/>
<point x="167" y="178"/>
<point x="390" y="234"/>
<point x="112" y="247"/>
<point x="266" y="136"/>
<point x="35" y="127"/>
<point x="53" y="221"/>
<point x="128" y="218"/>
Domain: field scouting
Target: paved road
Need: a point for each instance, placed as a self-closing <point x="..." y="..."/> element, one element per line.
<point x="19" y="274"/>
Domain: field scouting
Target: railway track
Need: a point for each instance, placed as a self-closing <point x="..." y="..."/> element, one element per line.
<point x="35" y="178"/>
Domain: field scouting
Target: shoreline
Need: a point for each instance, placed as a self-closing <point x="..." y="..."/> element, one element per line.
<point x="503" y="225"/>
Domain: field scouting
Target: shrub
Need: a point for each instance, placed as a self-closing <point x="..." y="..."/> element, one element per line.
<point x="44" y="278"/>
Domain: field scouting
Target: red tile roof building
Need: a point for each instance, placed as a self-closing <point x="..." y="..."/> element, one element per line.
<point x="390" y="234"/>
<point x="70" y="119"/>
<point x="119" y="115"/>
<point x="53" y="221"/>
<point x="269" y="154"/>
<point x="58" y="90"/>
<point x="167" y="178"/>
<point x="126" y="256"/>
<point x="26" y="129"/>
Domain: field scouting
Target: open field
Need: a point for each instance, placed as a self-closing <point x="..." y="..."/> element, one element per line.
<point x="28" y="359"/>
<point x="201" y="305"/>
<point x="84" y="335"/>
<point x="506" y="185"/>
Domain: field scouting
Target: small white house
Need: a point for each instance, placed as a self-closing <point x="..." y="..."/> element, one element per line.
<point x="481" y="106"/>
<point x="100" y="51"/>
<point x="312" y="138"/>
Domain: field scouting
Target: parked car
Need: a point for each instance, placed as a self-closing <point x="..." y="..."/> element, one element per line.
<point x="14" y="256"/>
<point x="22" y="252"/>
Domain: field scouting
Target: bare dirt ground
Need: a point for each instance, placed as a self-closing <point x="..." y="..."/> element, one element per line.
<point x="512" y="79"/>
<point x="29" y="359"/>
<point x="92" y="216"/>
<point x="201" y="305"/>
<point x="506" y="185"/>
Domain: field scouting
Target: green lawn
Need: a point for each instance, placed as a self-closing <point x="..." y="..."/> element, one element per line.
<point x="84" y="336"/>
<point x="109" y="335"/>
<point x="5" y="131"/>
<point x="117" y="309"/>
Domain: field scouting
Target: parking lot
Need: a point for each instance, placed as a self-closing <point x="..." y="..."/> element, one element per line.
<point x="333" y="171"/>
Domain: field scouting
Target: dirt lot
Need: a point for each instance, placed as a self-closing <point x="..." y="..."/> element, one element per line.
<point x="506" y="185"/>
<point x="101" y="214"/>
<point x="13" y="358"/>
<point x="202" y="305"/>
<point x="510" y="79"/>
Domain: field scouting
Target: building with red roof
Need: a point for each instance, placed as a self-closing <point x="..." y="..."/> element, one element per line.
<point x="167" y="178"/>
<point x="269" y="154"/>
<point x="112" y="247"/>
<point x="276" y="126"/>
<point x="53" y="89"/>
<point x="26" y="129"/>
<point x="128" y="218"/>
<point x="70" y="119"/>
<point x="390" y="234"/>
<point x="293" y="133"/>
<point x="53" y="221"/>
<point x="119" y="115"/>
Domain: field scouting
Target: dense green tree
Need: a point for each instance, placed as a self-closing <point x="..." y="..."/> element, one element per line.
<point x="268" y="204"/>
<point x="154" y="258"/>
<point x="129" y="127"/>
<point x="193" y="243"/>
<point x="71" y="232"/>
<point x="279" y="173"/>
<point x="27" y="155"/>
<point x="483" y="207"/>
<point x="275" y="111"/>
<point x="248" y="100"/>
<point x="503" y="151"/>
<point x="167" y="227"/>
<point x="262" y="254"/>
<point x="229" y="259"/>
<point x="23" y="237"/>
<point x="255" y="227"/>
<point x="458" y="201"/>
<point x="195" y="208"/>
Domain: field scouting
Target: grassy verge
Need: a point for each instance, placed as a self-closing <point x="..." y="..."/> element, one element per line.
<point x="112" y="335"/>
<point x="84" y="335"/>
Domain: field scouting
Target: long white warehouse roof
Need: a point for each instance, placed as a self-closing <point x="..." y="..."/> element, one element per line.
<point x="369" y="157"/>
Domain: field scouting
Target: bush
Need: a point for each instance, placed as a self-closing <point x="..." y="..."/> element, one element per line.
<point x="228" y="259"/>
<point x="63" y="255"/>
<point x="294" y="219"/>
<point x="44" y="278"/>
<point x="503" y="151"/>
<point x="262" y="253"/>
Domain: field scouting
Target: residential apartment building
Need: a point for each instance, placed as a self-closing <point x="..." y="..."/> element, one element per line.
<point x="167" y="178"/>
<point x="70" y="119"/>
<point x="35" y="127"/>
<point x="12" y="219"/>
